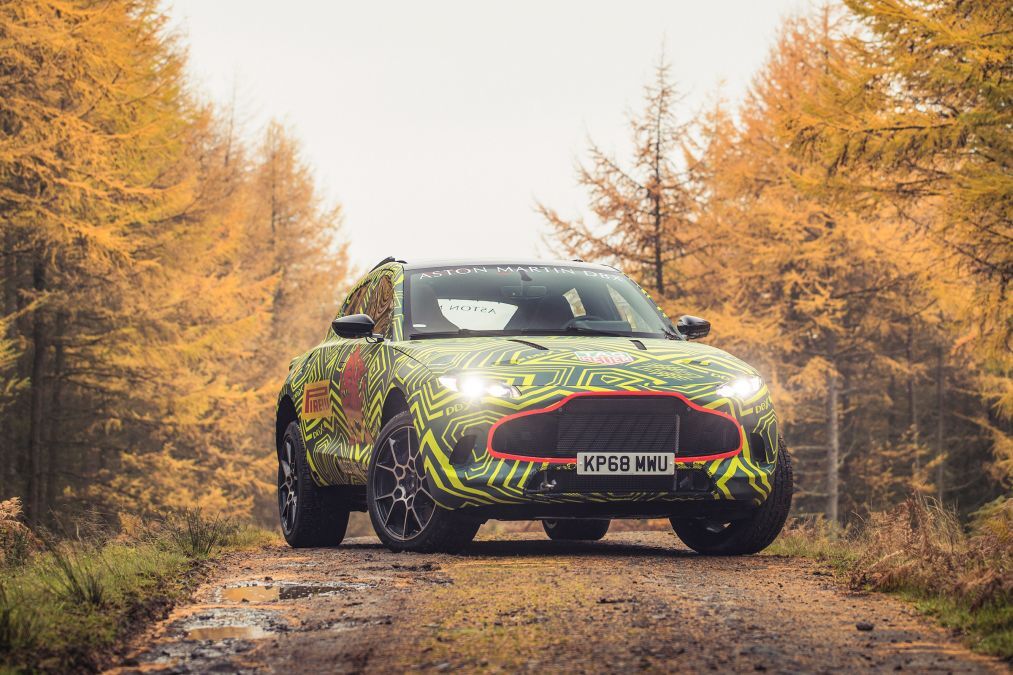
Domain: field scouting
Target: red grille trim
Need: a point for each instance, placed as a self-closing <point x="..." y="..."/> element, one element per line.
<point x="570" y="460"/>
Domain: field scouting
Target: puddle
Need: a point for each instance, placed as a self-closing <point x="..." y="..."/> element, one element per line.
<point x="217" y="633"/>
<point x="286" y="591"/>
<point x="250" y="593"/>
<point x="218" y="624"/>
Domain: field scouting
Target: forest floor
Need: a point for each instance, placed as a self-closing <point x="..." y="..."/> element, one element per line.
<point x="519" y="602"/>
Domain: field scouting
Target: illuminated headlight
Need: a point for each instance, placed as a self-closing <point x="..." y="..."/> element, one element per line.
<point x="744" y="387"/>
<point x="475" y="386"/>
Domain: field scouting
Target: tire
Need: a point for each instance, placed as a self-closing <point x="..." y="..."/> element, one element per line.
<point x="749" y="535"/>
<point x="401" y="506"/>
<point x="584" y="529"/>
<point x="310" y="515"/>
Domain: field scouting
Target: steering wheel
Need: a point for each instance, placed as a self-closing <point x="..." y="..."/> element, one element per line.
<point x="586" y="317"/>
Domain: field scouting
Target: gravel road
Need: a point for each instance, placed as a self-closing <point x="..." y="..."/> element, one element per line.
<point x="634" y="601"/>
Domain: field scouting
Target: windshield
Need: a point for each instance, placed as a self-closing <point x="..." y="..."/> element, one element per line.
<point x="528" y="300"/>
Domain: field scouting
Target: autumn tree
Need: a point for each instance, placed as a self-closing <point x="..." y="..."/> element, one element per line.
<point x="134" y="286"/>
<point x="645" y="213"/>
<point x="843" y="304"/>
<point x="917" y="119"/>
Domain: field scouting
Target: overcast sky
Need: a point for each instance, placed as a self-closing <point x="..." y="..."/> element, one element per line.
<point x="437" y="125"/>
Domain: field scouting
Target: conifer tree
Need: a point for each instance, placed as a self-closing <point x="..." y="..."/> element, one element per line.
<point x="646" y="213"/>
<point x="916" y="119"/>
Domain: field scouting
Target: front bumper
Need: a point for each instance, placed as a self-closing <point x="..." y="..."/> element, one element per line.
<point x="465" y="472"/>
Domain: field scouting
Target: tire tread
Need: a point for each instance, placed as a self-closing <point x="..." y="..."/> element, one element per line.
<point x="321" y="515"/>
<point x="755" y="533"/>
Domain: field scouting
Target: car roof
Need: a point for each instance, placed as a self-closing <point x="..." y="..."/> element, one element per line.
<point x="500" y="262"/>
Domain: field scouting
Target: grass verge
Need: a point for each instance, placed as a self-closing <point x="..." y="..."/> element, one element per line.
<point x="72" y="605"/>
<point x="920" y="552"/>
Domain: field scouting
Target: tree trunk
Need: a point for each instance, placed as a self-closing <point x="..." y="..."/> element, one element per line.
<point x="655" y="195"/>
<point x="912" y="411"/>
<point x="8" y="471"/>
<point x="55" y="407"/>
<point x="891" y="413"/>
<point x="37" y="399"/>
<point x="940" y="422"/>
<point x="833" y="448"/>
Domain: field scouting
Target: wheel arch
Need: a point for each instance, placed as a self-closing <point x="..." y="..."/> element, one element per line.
<point x="286" y="415"/>
<point x="396" y="402"/>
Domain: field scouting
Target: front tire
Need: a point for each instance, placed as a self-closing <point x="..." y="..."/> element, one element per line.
<point x="310" y="515"/>
<point x="585" y="529"/>
<point x="749" y="535"/>
<point x="402" y="509"/>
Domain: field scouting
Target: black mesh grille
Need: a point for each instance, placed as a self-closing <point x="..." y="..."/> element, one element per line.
<point x="618" y="424"/>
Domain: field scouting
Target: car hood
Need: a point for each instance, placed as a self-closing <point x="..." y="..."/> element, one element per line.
<point x="594" y="362"/>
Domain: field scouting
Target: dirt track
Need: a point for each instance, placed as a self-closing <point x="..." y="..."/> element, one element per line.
<point x="634" y="601"/>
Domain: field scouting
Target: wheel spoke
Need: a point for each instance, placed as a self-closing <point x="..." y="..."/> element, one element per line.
<point x="288" y="481"/>
<point x="386" y="520"/>
<point x="415" y="516"/>
<point x="396" y="483"/>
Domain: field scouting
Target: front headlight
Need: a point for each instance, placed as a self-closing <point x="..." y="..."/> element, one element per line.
<point x="476" y="386"/>
<point x="742" y="388"/>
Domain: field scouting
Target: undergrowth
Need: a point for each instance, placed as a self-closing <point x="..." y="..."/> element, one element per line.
<point x="920" y="551"/>
<point x="67" y="602"/>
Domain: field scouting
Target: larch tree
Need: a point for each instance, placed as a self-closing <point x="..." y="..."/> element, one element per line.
<point x="917" y="119"/>
<point x="90" y="112"/>
<point x="136" y="295"/>
<point x="646" y="213"/>
<point x="809" y="288"/>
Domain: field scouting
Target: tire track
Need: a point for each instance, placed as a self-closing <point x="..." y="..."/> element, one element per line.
<point x="634" y="601"/>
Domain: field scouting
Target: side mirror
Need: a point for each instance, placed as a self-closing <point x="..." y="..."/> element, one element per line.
<point x="693" y="327"/>
<point x="353" y="326"/>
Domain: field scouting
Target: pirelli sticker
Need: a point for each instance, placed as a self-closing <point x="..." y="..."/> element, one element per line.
<point x="316" y="402"/>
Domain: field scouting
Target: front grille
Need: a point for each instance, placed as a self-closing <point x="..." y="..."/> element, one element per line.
<point x="617" y="424"/>
<point x="685" y="481"/>
<point x="588" y="425"/>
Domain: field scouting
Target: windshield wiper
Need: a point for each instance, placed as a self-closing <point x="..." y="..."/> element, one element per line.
<point x="585" y="330"/>
<point x="460" y="332"/>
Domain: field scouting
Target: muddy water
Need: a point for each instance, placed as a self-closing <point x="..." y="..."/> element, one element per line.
<point x="635" y="601"/>
<point x="219" y="633"/>
<point x="286" y="591"/>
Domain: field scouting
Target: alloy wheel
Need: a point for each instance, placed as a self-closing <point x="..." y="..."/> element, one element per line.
<point x="403" y="502"/>
<point x="288" y="484"/>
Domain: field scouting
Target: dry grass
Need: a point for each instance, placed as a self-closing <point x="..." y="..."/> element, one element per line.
<point x="17" y="541"/>
<point x="920" y="550"/>
<point x="921" y="546"/>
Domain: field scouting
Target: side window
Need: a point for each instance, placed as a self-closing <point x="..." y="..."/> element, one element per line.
<point x="355" y="303"/>
<point x="381" y="305"/>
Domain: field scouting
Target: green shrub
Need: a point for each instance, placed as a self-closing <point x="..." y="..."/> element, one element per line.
<point x="197" y="535"/>
<point x="18" y="622"/>
<point x="73" y="577"/>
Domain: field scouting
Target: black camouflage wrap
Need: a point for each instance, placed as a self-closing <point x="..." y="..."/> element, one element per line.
<point x="358" y="377"/>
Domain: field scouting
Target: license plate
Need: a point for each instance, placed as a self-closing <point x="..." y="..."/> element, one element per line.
<point x="625" y="463"/>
